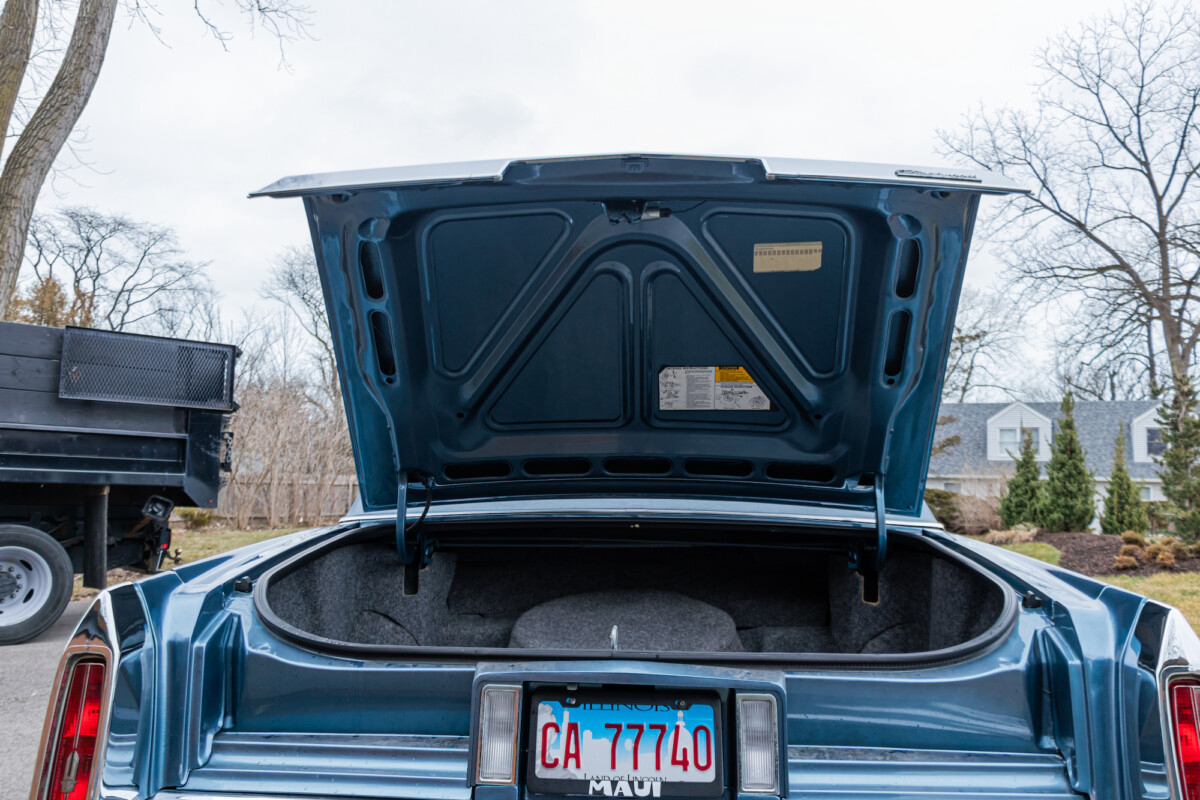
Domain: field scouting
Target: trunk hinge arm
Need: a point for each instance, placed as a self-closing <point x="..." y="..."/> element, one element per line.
<point x="412" y="547"/>
<point x="880" y="524"/>
<point x="870" y="564"/>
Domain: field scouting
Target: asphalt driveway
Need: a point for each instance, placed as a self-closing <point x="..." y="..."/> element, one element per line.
<point x="26" y="671"/>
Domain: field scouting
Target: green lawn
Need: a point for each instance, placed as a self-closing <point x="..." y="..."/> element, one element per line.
<point x="1039" y="550"/>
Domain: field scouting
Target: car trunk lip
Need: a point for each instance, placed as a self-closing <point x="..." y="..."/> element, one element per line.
<point x="670" y="325"/>
<point x="633" y="507"/>
<point x="995" y="634"/>
<point x="493" y="170"/>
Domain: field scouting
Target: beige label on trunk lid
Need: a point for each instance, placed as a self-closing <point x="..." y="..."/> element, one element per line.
<point x="787" y="257"/>
<point x="709" y="389"/>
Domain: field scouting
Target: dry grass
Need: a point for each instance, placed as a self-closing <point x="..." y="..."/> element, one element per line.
<point x="193" y="546"/>
<point x="1179" y="589"/>
<point x="1021" y="534"/>
<point x="1131" y="550"/>
<point x="201" y="544"/>
<point x="1039" y="550"/>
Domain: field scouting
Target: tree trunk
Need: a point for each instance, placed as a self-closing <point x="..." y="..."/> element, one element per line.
<point x="1174" y="344"/>
<point x="47" y="131"/>
<point x="18" y="22"/>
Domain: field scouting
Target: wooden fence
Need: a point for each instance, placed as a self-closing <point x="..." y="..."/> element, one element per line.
<point x="280" y="502"/>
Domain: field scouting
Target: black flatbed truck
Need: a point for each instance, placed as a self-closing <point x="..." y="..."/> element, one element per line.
<point x="102" y="434"/>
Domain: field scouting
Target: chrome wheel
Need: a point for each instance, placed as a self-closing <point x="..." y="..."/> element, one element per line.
<point x="25" y="584"/>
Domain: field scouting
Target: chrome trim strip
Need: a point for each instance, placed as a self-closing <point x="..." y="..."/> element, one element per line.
<point x="359" y="765"/>
<point x="1178" y="657"/>
<point x="493" y="170"/>
<point x="833" y="773"/>
<point x="845" y="772"/>
<point x="117" y="793"/>
<point x="95" y="637"/>
<point x="168" y="794"/>
<point x="641" y="508"/>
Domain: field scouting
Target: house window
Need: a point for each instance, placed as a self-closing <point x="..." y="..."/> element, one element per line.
<point x="1154" y="442"/>
<point x="1011" y="441"/>
<point x="1146" y="495"/>
<point x="952" y="487"/>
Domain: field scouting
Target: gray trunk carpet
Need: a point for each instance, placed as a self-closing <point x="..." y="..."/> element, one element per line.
<point x="641" y="620"/>
<point x="682" y="599"/>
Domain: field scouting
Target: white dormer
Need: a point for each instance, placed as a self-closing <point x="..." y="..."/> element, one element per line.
<point x="1146" y="437"/>
<point x="1006" y="432"/>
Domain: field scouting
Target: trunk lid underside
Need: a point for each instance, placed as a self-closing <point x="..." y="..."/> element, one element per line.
<point x="648" y="324"/>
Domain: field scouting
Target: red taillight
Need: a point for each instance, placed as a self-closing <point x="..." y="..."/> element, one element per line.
<point x="67" y="772"/>
<point x="1185" y="702"/>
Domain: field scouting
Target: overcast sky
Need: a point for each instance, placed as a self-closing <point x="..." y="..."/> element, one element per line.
<point x="179" y="132"/>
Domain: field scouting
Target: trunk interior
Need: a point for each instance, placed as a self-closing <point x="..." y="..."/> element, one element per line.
<point x="635" y="598"/>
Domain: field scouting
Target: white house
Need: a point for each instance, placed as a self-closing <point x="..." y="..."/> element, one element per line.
<point x="990" y="434"/>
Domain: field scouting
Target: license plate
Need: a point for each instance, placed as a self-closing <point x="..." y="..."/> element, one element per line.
<point x="614" y="745"/>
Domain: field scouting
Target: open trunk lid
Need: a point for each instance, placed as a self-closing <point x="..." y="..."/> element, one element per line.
<point x="637" y="324"/>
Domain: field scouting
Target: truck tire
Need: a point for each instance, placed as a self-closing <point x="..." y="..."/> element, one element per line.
<point x="35" y="582"/>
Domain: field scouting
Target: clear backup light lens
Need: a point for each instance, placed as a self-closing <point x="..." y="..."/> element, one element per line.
<point x="1185" y="707"/>
<point x="499" y="712"/>
<point x="758" y="744"/>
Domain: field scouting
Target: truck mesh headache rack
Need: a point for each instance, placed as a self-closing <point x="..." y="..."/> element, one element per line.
<point x="130" y="368"/>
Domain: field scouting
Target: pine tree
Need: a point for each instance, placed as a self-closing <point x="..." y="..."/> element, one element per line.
<point x="1023" y="499"/>
<point x="1181" y="478"/>
<point x="1070" y="488"/>
<point x="44" y="302"/>
<point x="1123" y="509"/>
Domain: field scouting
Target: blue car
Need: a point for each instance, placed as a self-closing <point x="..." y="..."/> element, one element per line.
<point x="642" y="443"/>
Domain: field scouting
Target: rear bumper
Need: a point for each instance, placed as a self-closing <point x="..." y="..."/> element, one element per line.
<point x="435" y="768"/>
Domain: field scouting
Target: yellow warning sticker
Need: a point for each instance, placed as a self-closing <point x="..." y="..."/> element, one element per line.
<point x="709" y="389"/>
<point x="733" y="375"/>
<point x="787" y="257"/>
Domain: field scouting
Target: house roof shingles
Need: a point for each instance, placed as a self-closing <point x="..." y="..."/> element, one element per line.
<point x="1097" y="422"/>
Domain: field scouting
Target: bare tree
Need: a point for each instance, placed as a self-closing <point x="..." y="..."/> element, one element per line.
<point x="296" y="284"/>
<point x="199" y="319"/>
<point x="1111" y="158"/>
<point x="119" y="274"/>
<point x="1107" y="354"/>
<point x="40" y="135"/>
<point x="1100" y="371"/>
<point x="292" y="460"/>
<point x="987" y="331"/>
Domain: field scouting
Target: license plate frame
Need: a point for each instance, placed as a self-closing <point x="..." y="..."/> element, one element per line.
<point x="592" y="709"/>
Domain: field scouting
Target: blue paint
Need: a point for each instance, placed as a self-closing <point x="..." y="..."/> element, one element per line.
<point x="1061" y="703"/>
<point x="1064" y="704"/>
<point x="531" y="316"/>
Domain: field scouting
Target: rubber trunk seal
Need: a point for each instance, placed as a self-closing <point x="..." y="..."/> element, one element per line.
<point x="999" y="631"/>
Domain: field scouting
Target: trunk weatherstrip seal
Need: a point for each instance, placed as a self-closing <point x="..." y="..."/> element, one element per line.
<point x="985" y="642"/>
